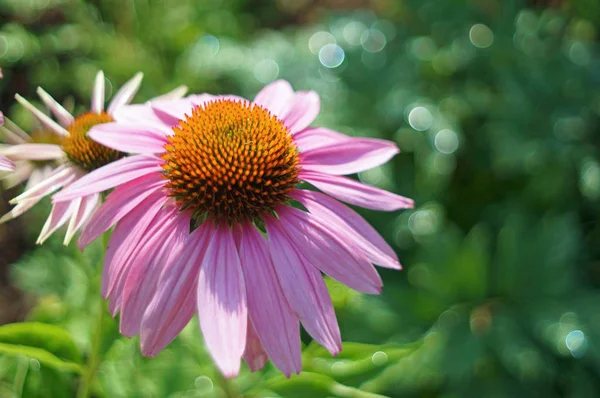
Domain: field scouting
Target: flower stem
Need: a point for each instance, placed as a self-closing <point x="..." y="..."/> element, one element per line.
<point x="94" y="360"/>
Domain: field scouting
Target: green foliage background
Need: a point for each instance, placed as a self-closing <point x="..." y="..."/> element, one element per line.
<point x="495" y="105"/>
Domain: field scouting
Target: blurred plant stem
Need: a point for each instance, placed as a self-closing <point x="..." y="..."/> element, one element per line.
<point x="22" y="368"/>
<point x="94" y="359"/>
<point x="227" y="386"/>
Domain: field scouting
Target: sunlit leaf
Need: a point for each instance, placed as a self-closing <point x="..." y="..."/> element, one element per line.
<point x="43" y="356"/>
<point x="48" y="338"/>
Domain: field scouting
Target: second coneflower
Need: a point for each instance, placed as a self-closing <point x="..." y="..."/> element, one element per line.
<point x="207" y="221"/>
<point x="61" y="152"/>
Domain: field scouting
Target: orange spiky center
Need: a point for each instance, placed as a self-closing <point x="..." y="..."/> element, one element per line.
<point x="230" y="160"/>
<point x="84" y="152"/>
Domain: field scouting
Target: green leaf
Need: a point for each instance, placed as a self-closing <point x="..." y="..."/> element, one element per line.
<point x="42" y="337"/>
<point x="43" y="356"/>
<point x="357" y="362"/>
<point x="313" y="385"/>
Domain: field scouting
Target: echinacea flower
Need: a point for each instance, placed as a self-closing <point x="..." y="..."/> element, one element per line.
<point x="205" y="223"/>
<point x="62" y="153"/>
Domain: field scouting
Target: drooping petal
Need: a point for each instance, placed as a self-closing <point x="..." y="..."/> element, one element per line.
<point x="349" y="222"/>
<point x="254" y="354"/>
<point x="330" y="253"/>
<point x="44" y="119"/>
<point x="303" y="287"/>
<point x="222" y="307"/>
<point x="303" y="111"/>
<point x="33" y="152"/>
<point x="316" y="137"/>
<point x="23" y="171"/>
<point x="129" y="138"/>
<point x="125" y="238"/>
<point x="63" y="116"/>
<point x="163" y="242"/>
<point x="117" y="204"/>
<point x="125" y="93"/>
<point x="79" y="218"/>
<point x="6" y="165"/>
<point x="356" y="193"/>
<point x="109" y="176"/>
<point x="175" y="300"/>
<point x="277" y="97"/>
<point x="348" y="157"/>
<point x="271" y="315"/>
<point x="61" y="176"/>
<point x="98" y="93"/>
<point x="58" y="217"/>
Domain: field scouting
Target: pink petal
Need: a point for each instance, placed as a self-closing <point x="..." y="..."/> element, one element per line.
<point x="63" y="116"/>
<point x="303" y="287"/>
<point x="33" y="152"/>
<point x="61" y="176"/>
<point x="254" y="354"/>
<point x="124" y="240"/>
<point x="58" y="216"/>
<point x="356" y="193"/>
<point x="328" y="251"/>
<point x="269" y="311"/>
<point x="126" y="93"/>
<point x="142" y="114"/>
<point x="129" y="138"/>
<point x="164" y="239"/>
<point x="118" y="203"/>
<point x="316" y="137"/>
<point x="172" y="111"/>
<point x="86" y="208"/>
<point x="155" y="337"/>
<point x="277" y="97"/>
<point x="222" y="305"/>
<point x="303" y="112"/>
<point x="22" y="172"/>
<point x="350" y="223"/>
<point x="44" y="119"/>
<point x="98" y="93"/>
<point x="350" y="156"/>
<point x="109" y="176"/>
<point x="175" y="300"/>
<point x="6" y="165"/>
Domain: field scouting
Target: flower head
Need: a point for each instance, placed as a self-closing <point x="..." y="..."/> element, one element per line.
<point x="207" y="222"/>
<point x="59" y="153"/>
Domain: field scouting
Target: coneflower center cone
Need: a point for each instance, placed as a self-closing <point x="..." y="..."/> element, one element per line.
<point x="231" y="160"/>
<point x="81" y="150"/>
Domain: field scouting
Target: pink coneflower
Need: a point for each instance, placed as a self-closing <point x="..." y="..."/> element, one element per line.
<point x="205" y="223"/>
<point x="61" y="153"/>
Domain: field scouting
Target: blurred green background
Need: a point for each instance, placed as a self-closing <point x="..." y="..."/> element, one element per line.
<point x="496" y="107"/>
